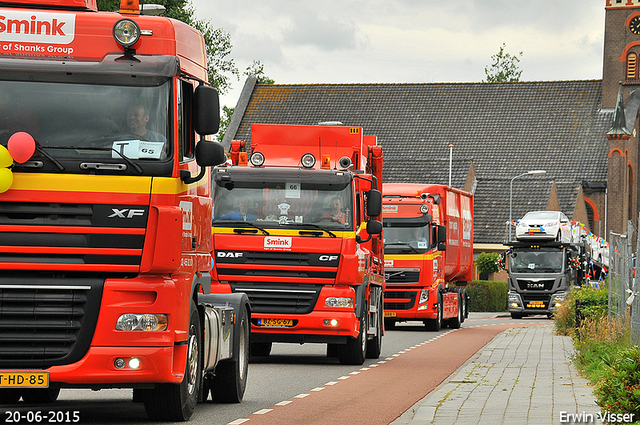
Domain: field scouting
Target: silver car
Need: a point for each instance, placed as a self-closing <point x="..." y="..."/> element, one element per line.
<point x="548" y="225"/>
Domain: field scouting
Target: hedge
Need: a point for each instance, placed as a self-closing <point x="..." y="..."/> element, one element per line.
<point x="487" y="295"/>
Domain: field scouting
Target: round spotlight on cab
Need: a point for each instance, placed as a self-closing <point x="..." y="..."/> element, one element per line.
<point x="126" y="32"/>
<point x="308" y="160"/>
<point x="134" y="363"/>
<point x="257" y="159"/>
<point x="119" y="363"/>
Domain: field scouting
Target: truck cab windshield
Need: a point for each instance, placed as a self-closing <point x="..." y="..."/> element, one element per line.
<point x="539" y="261"/>
<point x="87" y="121"/>
<point x="416" y="237"/>
<point x="274" y="204"/>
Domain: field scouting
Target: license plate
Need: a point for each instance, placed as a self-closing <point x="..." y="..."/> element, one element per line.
<point x="389" y="314"/>
<point x="534" y="230"/>
<point x="278" y="323"/>
<point x="24" y="379"/>
<point x="536" y="304"/>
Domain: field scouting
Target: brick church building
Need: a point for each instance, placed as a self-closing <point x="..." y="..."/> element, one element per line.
<point x="583" y="134"/>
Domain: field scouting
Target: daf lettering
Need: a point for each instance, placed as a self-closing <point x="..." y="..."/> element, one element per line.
<point x="224" y="254"/>
<point x="126" y="213"/>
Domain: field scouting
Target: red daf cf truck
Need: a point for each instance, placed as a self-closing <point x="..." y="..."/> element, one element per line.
<point x="297" y="228"/>
<point x="105" y="211"/>
<point x="428" y="238"/>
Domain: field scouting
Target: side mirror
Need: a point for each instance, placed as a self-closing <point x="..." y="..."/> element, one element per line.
<point x="208" y="154"/>
<point x="439" y="236"/>
<point x="374" y="227"/>
<point x="206" y="110"/>
<point x="374" y="203"/>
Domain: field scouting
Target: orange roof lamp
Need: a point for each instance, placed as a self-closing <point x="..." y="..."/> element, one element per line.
<point x="130" y="7"/>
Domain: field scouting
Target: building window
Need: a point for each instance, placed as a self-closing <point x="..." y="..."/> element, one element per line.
<point x="632" y="66"/>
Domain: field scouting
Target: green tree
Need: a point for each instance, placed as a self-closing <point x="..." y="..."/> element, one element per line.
<point x="504" y="67"/>
<point x="221" y="67"/>
<point x="257" y="69"/>
<point x="225" y="120"/>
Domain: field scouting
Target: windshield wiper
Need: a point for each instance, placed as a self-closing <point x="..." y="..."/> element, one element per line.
<point x="315" y="226"/>
<point x="49" y="157"/>
<point x="94" y="148"/>
<point x="246" y="224"/>
<point x="404" y="245"/>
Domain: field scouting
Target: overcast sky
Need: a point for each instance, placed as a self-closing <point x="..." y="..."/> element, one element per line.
<point x="415" y="41"/>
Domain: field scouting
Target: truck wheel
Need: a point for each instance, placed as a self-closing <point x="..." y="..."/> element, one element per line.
<point x="374" y="346"/>
<point x="176" y="402"/>
<point x="9" y="396"/>
<point x="40" y="395"/>
<point x="465" y="304"/>
<point x="435" y="324"/>
<point x="260" y="349"/>
<point x="230" y="379"/>
<point x="354" y="352"/>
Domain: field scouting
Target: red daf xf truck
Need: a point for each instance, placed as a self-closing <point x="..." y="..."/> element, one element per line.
<point x="428" y="239"/>
<point x="297" y="228"/>
<point x="105" y="211"/>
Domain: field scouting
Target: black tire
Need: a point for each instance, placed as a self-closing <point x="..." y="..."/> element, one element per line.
<point x="465" y="304"/>
<point x="374" y="346"/>
<point x="40" y="395"/>
<point x="176" y="402"/>
<point x="260" y="349"/>
<point x="435" y="324"/>
<point x="230" y="379"/>
<point x="354" y="352"/>
<point x="9" y="396"/>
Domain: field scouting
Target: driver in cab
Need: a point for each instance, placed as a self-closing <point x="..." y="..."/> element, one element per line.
<point x="137" y="119"/>
<point x="335" y="213"/>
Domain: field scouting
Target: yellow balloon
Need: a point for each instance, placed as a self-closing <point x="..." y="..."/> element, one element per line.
<point x="5" y="157"/>
<point x="6" y="179"/>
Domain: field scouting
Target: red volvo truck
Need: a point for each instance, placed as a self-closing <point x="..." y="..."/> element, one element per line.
<point x="297" y="228"/>
<point x="428" y="239"/>
<point x="105" y="211"/>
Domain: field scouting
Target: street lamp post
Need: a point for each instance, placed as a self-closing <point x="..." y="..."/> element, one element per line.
<point x="533" y="172"/>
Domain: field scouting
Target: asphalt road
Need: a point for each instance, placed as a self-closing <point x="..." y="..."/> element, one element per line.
<point x="299" y="381"/>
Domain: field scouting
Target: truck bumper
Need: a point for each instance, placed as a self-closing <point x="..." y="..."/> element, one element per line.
<point x="317" y="326"/>
<point x="522" y="304"/>
<point x="97" y="368"/>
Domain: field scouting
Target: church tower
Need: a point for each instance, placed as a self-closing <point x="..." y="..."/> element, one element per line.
<point x="621" y="87"/>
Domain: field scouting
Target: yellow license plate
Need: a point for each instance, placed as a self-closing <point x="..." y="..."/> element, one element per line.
<point x="279" y="323"/>
<point x="534" y="230"/>
<point x="389" y="314"/>
<point x="536" y="304"/>
<point x="11" y="379"/>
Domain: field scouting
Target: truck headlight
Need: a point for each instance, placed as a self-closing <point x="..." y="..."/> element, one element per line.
<point x="142" y="322"/>
<point x="424" y="296"/>
<point x="339" y="302"/>
<point x="557" y="299"/>
<point x="514" y="300"/>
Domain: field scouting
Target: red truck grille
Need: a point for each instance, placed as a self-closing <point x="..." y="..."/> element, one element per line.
<point x="68" y="236"/>
<point x="274" y="298"/>
<point x="46" y="321"/>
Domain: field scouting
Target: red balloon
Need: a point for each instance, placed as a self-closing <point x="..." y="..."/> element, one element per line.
<point x="21" y="146"/>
